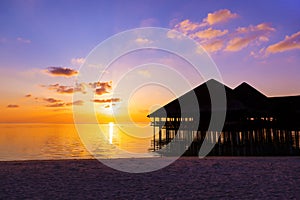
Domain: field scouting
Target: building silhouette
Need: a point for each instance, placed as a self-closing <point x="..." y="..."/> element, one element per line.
<point x="254" y="123"/>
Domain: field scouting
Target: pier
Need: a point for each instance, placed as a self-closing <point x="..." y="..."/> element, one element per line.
<point x="255" y="125"/>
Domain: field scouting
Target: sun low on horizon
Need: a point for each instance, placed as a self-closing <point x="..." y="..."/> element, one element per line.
<point x="44" y="46"/>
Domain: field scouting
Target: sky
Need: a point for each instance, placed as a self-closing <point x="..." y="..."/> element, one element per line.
<point x="44" y="43"/>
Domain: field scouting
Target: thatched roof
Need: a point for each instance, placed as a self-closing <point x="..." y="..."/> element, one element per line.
<point x="202" y="93"/>
<point x="242" y="99"/>
<point x="254" y="100"/>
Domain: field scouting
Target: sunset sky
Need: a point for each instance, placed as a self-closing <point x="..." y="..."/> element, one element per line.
<point x="44" y="43"/>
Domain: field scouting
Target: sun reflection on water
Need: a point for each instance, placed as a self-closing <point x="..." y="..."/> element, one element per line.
<point x="61" y="141"/>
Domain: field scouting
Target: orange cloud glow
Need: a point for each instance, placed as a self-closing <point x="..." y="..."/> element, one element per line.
<point x="209" y="33"/>
<point x="248" y="35"/>
<point x="187" y="26"/>
<point x="238" y="43"/>
<point x="260" y="27"/>
<point x="213" y="46"/>
<point x="289" y="43"/>
<point x="219" y="16"/>
<point x="241" y="38"/>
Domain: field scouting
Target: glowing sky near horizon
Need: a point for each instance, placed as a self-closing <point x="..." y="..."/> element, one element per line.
<point x="43" y="44"/>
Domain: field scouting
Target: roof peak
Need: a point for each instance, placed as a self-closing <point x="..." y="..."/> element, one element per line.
<point x="213" y="81"/>
<point x="245" y="85"/>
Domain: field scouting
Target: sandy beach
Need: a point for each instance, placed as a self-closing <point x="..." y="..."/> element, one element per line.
<point x="187" y="178"/>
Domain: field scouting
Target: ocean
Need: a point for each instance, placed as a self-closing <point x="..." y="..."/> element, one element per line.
<point x="63" y="141"/>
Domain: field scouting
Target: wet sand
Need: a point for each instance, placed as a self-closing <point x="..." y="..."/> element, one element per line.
<point x="187" y="178"/>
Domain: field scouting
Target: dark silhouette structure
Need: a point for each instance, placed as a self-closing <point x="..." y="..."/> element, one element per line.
<point x="254" y="124"/>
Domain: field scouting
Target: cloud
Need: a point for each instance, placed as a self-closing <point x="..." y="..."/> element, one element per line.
<point x="247" y="35"/>
<point x="106" y="100"/>
<point x="101" y="87"/>
<point x="56" y="105"/>
<point x="78" y="103"/>
<point x="289" y="43"/>
<point x="219" y="16"/>
<point x="28" y="95"/>
<point x="238" y="43"/>
<point x="205" y="36"/>
<point x="77" y="61"/>
<point x="209" y="33"/>
<point x="143" y="41"/>
<point x="187" y="26"/>
<point x="13" y="106"/>
<point x="61" y="71"/>
<point x="22" y="40"/>
<point x="51" y="100"/>
<point x="75" y="103"/>
<point x="62" y="89"/>
<point x="173" y="34"/>
<point x="214" y="40"/>
<point x="213" y="46"/>
<point x="100" y="91"/>
<point x="100" y="84"/>
<point x="62" y="104"/>
<point x="260" y="27"/>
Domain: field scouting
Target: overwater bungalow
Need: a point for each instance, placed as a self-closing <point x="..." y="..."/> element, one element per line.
<point x="254" y="124"/>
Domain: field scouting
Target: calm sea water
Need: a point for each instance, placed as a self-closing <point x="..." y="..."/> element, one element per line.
<point x="62" y="141"/>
